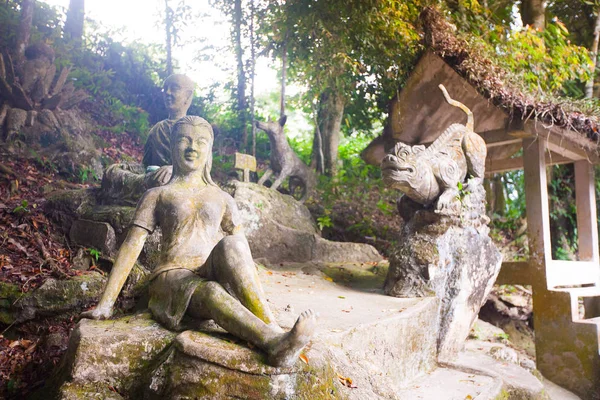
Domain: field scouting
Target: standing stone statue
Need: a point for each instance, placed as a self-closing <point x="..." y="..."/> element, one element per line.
<point x="285" y="162"/>
<point x="206" y="270"/>
<point x="444" y="249"/>
<point x="124" y="183"/>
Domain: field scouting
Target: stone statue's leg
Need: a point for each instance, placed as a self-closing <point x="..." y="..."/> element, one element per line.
<point x="211" y="300"/>
<point x="233" y="267"/>
<point x="265" y="176"/>
<point x="279" y="180"/>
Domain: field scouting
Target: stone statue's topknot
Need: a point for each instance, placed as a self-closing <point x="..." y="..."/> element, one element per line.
<point x="183" y="80"/>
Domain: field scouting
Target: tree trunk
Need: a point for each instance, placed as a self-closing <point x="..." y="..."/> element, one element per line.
<point x="169" y="30"/>
<point x="252" y="75"/>
<point x="74" y="23"/>
<point x="241" y="76"/>
<point x="283" y="78"/>
<point x="533" y="13"/>
<point x="589" y="86"/>
<point x="24" y="32"/>
<point x="331" y="112"/>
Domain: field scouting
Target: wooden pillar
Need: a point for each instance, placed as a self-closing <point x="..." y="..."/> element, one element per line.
<point x="587" y="226"/>
<point x="538" y="214"/>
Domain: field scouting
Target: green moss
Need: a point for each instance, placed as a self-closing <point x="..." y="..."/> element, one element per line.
<point x="9" y="293"/>
<point x="356" y="275"/>
<point x="317" y="383"/>
<point x="6" y="317"/>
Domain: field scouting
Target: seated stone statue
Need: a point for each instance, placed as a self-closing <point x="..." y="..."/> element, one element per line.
<point x="206" y="270"/>
<point x="124" y="183"/>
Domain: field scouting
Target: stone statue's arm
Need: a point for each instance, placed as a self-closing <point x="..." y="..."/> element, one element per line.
<point x="128" y="254"/>
<point x="231" y="222"/>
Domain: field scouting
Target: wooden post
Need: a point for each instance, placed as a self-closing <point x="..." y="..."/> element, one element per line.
<point x="587" y="226"/>
<point x="538" y="214"/>
<point x="246" y="163"/>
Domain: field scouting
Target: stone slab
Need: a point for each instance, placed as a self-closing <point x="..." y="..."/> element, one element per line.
<point x="516" y="381"/>
<point x="94" y="234"/>
<point x="451" y="384"/>
<point x="379" y="342"/>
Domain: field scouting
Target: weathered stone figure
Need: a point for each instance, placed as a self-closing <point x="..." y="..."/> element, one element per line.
<point x="125" y="183"/>
<point x="206" y="270"/>
<point x="444" y="248"/>
<point x="432" y="174"/>
<point x="284" y="161"/>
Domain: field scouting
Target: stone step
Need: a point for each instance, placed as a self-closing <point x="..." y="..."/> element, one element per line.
<point x="477" y="376"/>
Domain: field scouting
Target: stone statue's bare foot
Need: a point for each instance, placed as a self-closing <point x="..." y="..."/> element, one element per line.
<point x="286" y="349"/>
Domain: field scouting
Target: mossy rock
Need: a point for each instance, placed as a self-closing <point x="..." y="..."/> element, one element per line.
<point x="53" y="297"/>
<point x="206" y="366"/>
<point x="117" y="353"/>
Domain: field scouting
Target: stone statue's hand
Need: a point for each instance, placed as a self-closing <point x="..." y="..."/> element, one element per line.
<point x="159" y="177"/>
<point x="97" y="313"/>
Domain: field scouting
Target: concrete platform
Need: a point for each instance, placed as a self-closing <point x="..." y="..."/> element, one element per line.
<point x="367" y="346"/>
<point x="379" y="342"/>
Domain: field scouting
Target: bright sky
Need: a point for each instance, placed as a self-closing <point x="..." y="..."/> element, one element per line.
<point x="140" y="20"/>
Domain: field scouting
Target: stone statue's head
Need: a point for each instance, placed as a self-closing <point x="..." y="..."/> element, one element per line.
<point x="40" y="51"/>
<point x="191" y="146"/>
<point x="178" y="92"/>
<point x="407" y="170"/>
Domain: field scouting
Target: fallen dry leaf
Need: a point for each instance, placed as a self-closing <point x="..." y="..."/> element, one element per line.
<point x="31" y="348"/>
<point x="346" y="381"/>
<point x="304" y="358"/>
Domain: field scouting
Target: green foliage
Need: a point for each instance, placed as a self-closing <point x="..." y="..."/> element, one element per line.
<point x="22" y="209"/>
<point x="46" y="23"/>
<point x="324" y="221"/>
<point x="563" y="212"/>
<point x="302" y="146"/>
<point x="386" y="208"/>
<point x="87" y="174"/>
<point x="462" y="191"/>
<point x="95" y="253"/>
<point x="546" y="60"/>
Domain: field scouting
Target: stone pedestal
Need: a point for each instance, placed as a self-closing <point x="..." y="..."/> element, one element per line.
<point x="202" y="366"/>
<point x="367" y="346"/>
<point x="452" y="258"/>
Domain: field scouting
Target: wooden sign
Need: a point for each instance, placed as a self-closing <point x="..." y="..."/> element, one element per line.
<point x="245" y="162"/>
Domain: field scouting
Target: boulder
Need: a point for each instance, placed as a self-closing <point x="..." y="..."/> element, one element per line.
<point x="278" y="227"/>
<point x="52" y="298"/>
<point x="281" y="229"/>
<point x="452" y="258"/>
<point x="204" y="366"/>
<point x="114" y="353"/>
